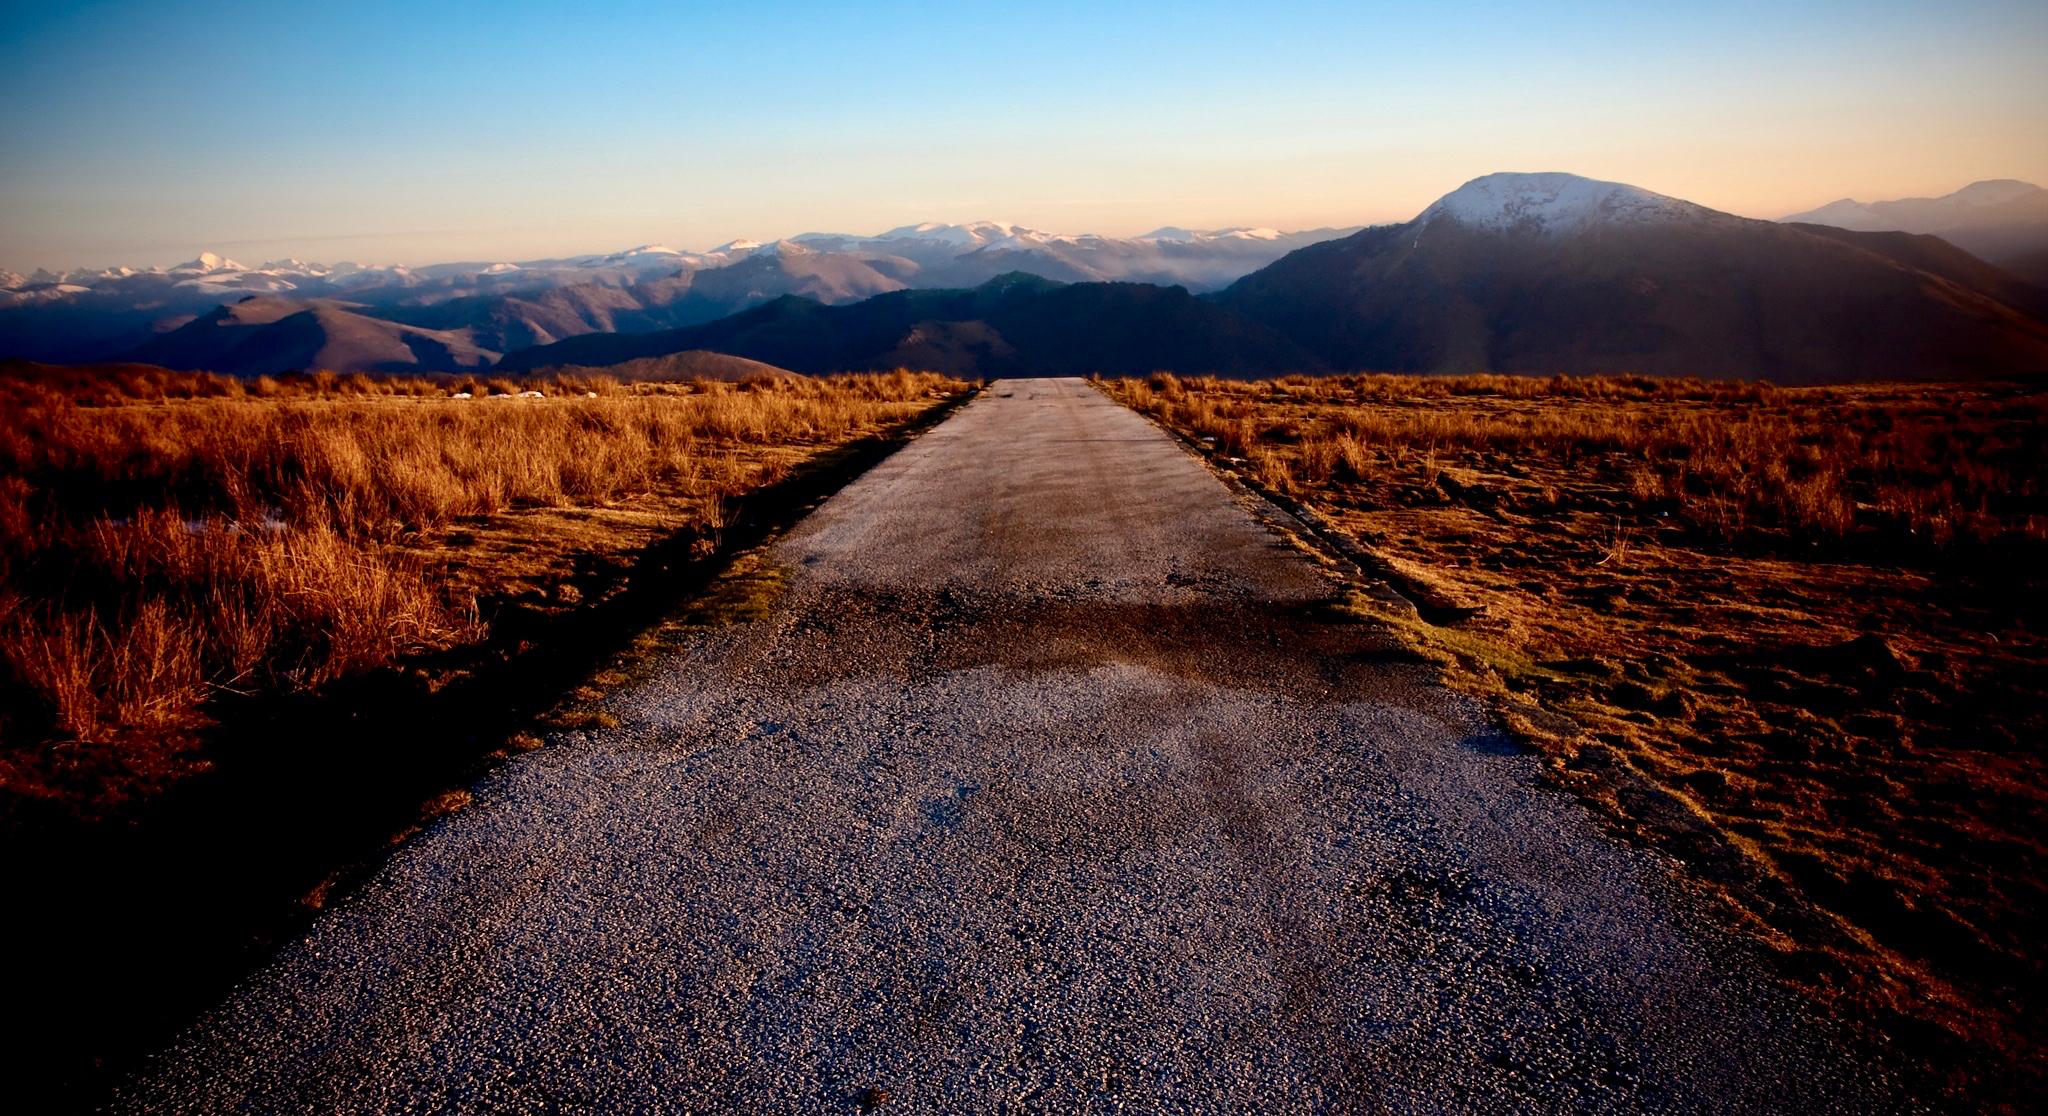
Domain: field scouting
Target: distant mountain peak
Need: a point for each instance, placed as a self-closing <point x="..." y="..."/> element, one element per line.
<point x="1977" y="195"/>
<point x="1993" y="191"/>
<point x="208" y="262"/>
<point x="1552" y="202"/>
<point x="779" y="248"/>
<point x="1847" y="213"/>
<point x="1179" y="235"/>
<point x="969" y="236"/>
<point x="2002" y="220"/>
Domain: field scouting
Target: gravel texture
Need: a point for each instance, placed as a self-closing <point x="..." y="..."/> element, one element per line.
<point x="1044" y="786"/>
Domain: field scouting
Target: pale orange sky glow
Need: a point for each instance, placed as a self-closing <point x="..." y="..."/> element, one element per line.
<point x="549" y="135"/>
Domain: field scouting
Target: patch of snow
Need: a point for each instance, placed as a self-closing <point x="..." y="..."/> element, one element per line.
<point x="296" y="267"/>
<point x="1554" y="203"/>
<point x="207" y="261"/>
<point x="224" y="282"/>
<point x="1024" y="240"/>
<point x="777" y="249"/>
<point x="967" y="237"/>
<point x="89" y="276"/>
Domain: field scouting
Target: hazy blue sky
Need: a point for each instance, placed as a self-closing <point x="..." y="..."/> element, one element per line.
<point x="415" y="132"/>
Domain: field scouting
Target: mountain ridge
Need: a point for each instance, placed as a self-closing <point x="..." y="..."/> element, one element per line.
<point x="1634" y="282"/>
<point x="1540" y="272"/>
<point x="265" y="334"/>
<point x="88" y="314"/>
<point x="1017" y="325"/>
<point x="1518" y="272"/>
<point x="2003" y="220"/>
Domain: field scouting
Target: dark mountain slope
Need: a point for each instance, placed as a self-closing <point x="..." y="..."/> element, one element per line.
<point x="1936" y="256"/>
<point x="694" y="364"/>
<point x="505" y="322"/>
<point x="2002" y="220"/>
<point x="2031" y="267"/>
<point x="1011" y="326"/>
<point x="1553" y="273"/>
<point x="517" y="321"/>
<point x="260" y="335"/>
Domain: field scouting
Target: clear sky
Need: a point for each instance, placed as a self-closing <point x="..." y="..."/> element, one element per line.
<point x="417" y="132"/>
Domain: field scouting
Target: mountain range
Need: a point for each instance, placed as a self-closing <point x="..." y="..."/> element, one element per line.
<point x="1510" y="272"/>
<point x="110" y="313"/>
<point x="2001" y="220"/>
<point x="264" y="334"/>
<point x="1012" y="325"/>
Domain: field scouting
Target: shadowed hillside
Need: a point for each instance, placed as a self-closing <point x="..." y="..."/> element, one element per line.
<point x="1551" y="273"/>
<point x="1015" y="325"/>
<point x="261" y="334"/>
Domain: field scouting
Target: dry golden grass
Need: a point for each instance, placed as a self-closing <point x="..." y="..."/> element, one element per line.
<point x="1794" y="635"/>
<point x="1732" y="458"/>
<point x="168" y="538"/>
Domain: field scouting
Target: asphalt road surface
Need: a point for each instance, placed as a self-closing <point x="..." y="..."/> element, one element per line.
<point x="1043" y="786"/>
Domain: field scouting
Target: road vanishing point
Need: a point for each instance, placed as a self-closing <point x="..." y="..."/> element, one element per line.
<point x="1044" y="784"/>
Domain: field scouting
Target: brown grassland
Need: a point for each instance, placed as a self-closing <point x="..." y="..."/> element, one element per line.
<point x="170" y="542"/>
<point x="253" y="633"/>
<point x="1794" y="636"/>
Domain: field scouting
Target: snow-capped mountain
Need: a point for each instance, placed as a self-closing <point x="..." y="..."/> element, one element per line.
<point x="1557" y="203"/>
<point x="965" y="238"/>
<point x="207" y="262"/>
<point x="971" y="253"/>
<point x="1555" y="273"/>
<point x="1509" y="272"/>
<point x="1536" y="273"/>
<point x="90" y="314"/>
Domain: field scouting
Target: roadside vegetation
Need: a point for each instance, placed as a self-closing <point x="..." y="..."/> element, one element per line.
<point x="1798" y="637"/>
<point x="173" y="542"/>
<point x="252" y="633"/>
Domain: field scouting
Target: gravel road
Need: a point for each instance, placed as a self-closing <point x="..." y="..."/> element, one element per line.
<point x="1043" y="786"/>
